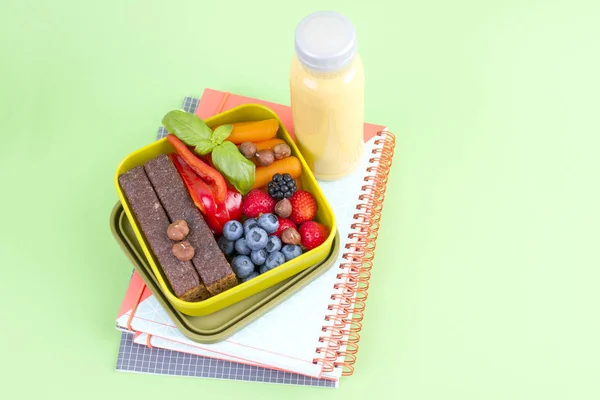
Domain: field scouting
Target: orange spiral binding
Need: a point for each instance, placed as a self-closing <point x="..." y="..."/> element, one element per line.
<point x="341" y="334"/>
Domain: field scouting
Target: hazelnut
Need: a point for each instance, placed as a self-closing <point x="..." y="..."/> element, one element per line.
<point x="281" y="150"/>
<point x="178" y="230"/>
<point x="248" y="149"/>
<point x="183" y="251"/>
<point x="290" y="236"/>
<point x="283" y="208"/>
<point x="265" y="158"/>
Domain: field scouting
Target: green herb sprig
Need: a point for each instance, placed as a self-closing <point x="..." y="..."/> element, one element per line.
<point x="226" y="157"/>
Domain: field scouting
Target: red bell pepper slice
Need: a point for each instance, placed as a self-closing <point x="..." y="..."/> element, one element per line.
<point x="210" y="175"/>
<point x="233" y="204"/>
<point x="216" y="214"/>
<point x="200" y="193"/>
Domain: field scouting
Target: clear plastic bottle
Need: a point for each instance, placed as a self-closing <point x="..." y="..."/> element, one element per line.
<point x="327" y="94"/>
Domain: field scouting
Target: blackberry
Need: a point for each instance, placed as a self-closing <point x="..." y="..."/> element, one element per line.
<point x="281" y="186"/>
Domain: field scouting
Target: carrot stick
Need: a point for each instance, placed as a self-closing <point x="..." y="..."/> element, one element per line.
<point x="254" y="131"/>
<point x="290" y="165"/>
<point x="267" y="144"/>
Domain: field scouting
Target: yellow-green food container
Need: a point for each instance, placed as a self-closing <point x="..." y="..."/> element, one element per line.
<point x="248" y="112"/>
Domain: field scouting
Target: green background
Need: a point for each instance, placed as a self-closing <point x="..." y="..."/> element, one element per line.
<point x="485" y="283"/>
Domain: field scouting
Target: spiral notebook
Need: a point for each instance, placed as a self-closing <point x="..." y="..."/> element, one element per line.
<point x="315" y="333"/>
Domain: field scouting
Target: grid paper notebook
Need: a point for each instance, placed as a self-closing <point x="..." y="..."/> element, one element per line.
<point x="140" y="358"/>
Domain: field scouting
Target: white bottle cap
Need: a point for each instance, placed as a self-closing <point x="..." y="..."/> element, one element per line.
<point x="325" y="41"/>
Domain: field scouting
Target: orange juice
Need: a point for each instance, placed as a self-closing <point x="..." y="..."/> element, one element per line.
<point x="327" y="95"/>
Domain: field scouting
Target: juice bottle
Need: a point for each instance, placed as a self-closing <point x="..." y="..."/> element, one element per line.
<point x="327" y="94"/>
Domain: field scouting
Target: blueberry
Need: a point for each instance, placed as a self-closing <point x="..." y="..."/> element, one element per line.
<point x="242" y="266"/>
<point x="262" y="269"/>
<point x="233" y="230"/>
<point x="258" y="257"/>
<point x="268" y="222"/>
<point x="290" y="251"/>
<point x="225" y="245"/>
<point x="274" y="259"/>
<point x="251" y="276"/>
<point x="273" y="244"/>
<point x="242" y="247"/>
<point x="256" y="238"/>
<point x="249" y="224"/>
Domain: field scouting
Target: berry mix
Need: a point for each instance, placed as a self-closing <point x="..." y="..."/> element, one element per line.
<point x="278" y="226"/>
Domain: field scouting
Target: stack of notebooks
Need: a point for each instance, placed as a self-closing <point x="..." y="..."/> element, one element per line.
<point x="309" y="339"/>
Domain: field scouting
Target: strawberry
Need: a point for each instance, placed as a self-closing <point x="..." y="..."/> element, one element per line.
<point x="313" y="234"/>
<point x="257" y="202"/>
<point x="284" y="223"/>
<point x="304" y="206"/>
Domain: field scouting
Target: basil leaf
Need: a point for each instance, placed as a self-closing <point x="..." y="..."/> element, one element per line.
<point x="204" y="146"/>
<point x="236" y="168"/>
<point x="187" y="127"/>
<point x="221" y="133"/>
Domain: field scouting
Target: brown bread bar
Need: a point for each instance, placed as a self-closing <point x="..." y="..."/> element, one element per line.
<point x="153" y="222"/>
<point x="211" y="264"/>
